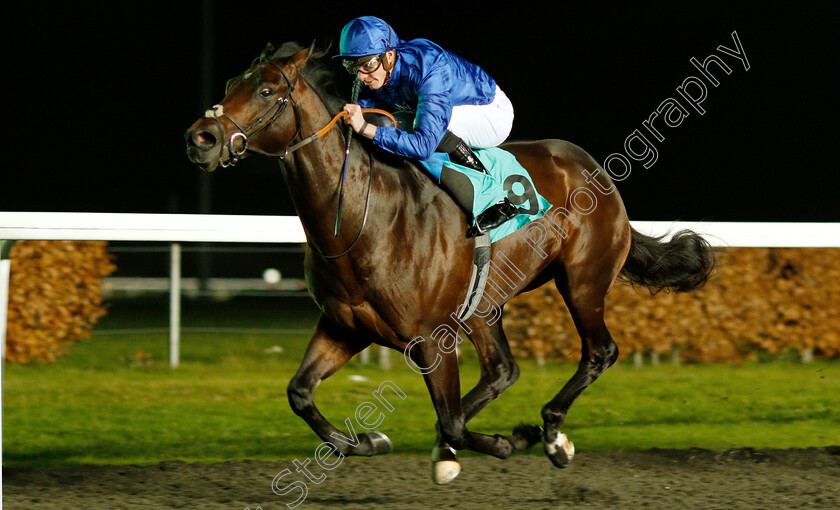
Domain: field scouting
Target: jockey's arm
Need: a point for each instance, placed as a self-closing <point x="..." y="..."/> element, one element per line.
<point x="357" y="121"/>
<point x="434" y="112"/>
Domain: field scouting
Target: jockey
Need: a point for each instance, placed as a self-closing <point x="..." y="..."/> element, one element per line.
<point x="455" y="105"/>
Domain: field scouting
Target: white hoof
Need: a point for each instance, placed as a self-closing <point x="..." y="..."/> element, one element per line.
<point x="445" y="465"/>
<point x="561" y="442"/>
<point x="444" y="471"/>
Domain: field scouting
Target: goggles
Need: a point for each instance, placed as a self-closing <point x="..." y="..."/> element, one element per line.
<point x="365" y="65"/>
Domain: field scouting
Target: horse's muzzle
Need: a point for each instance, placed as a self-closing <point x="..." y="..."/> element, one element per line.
<point x="204" y="147"/>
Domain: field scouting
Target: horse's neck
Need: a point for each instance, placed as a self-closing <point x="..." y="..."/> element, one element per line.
<point x="314" y="180"/>
<point x="313" y="176"/>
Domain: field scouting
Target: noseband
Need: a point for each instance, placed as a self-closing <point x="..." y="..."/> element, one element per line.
<point x="263" y="121"/>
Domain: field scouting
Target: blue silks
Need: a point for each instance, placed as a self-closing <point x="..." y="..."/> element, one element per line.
<point x="507" y="178"/>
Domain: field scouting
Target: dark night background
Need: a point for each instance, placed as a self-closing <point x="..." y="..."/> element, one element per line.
<point x="101" y="94"/>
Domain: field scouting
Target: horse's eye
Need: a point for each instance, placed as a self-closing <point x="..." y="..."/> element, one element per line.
<point x="266" y="93"/>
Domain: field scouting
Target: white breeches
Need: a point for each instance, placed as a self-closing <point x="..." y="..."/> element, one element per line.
<point x="483" y="126"/>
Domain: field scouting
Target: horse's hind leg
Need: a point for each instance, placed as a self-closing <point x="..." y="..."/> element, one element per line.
<point x="329" y="349"/>
<point x="498" y="372"/>
<point x="584" y="292"/>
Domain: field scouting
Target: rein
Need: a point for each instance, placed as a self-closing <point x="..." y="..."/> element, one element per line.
<point x="273" y="113"/>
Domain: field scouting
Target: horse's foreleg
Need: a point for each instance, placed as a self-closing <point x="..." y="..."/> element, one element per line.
<point x="498" y="367"/>
<point x="329" y="349"/>
<point x="498" y="372"/>
<point x="598" y="353"/>
<point x="444" y="388"/>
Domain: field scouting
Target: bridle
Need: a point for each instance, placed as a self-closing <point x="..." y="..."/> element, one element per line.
<point x="260" y="124"/>
<point x="246" y="133"/>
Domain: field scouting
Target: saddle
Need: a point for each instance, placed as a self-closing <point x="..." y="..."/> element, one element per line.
<point x="506" y="179"/>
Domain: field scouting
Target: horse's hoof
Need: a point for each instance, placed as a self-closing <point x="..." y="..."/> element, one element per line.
<point x="445" y="465"/>
<point x="380" y="444"/>
<point x="560" y="451"/>
<point x="444" y="471"/>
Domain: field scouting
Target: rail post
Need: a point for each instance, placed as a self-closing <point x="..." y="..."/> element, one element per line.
<point x="5" y="276"/>
<point x="174" y="305"/>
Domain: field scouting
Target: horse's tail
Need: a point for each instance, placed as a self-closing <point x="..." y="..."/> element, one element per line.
<point x="683" y="264"/>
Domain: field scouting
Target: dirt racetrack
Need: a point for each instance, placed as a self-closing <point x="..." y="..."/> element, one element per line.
<point x="669" y="479"/>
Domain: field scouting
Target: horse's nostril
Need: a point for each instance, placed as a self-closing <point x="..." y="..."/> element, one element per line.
<point x="203" y="139"/>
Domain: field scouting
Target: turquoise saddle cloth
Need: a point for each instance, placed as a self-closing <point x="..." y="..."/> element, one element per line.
<point x="507" y="178"/>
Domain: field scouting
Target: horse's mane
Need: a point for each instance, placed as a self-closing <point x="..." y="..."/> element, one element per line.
<point x="320" y="73"/>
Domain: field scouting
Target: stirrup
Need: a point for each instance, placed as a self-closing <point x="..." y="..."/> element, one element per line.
<point x="493" y="217"/>
<point x="475" y="231"/>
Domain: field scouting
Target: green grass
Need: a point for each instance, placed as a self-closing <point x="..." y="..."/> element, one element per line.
<point x="228" y="401"/>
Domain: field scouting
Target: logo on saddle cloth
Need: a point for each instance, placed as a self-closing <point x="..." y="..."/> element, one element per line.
<point x="507" y="178"/>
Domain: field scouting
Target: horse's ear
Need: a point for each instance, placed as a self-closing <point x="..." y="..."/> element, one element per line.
<point x="311" y="50"/>
<point x="268" y="52"/>
<point x="301" y="58"/>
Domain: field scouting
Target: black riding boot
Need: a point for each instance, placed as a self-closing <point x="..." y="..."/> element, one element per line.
<point x="463" y="155"/>
<point x="459" y="152"/>
<point x="461" y="189"/>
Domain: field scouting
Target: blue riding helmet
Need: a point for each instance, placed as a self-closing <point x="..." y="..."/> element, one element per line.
<point x="366" y="35"/>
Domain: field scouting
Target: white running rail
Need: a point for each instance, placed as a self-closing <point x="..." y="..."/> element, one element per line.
<point x="178" y="228"/>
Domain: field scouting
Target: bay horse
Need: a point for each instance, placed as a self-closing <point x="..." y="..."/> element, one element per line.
<point x="402" y="265"/>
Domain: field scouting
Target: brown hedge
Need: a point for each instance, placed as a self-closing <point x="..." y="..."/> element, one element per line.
<point x="761" y="300"/>
<point x="54" y="296"/>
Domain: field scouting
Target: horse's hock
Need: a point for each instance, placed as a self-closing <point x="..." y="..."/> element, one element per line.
<point x="770" y="301"/>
